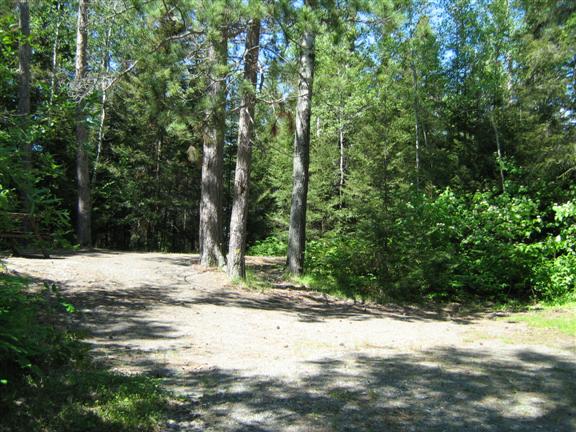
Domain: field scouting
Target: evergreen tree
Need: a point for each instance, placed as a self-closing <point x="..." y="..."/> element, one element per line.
<point x="238" y="222"/>
<point x="84" y="208"/>
<point x="300" y="175"/>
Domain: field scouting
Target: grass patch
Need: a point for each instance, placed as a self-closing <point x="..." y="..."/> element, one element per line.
<point x="87" y="399"/>
<point x="253" y="281"/>
<point x="49" y="382"/>
<point x="561" y="318"/>
<point x="327" y="285"/>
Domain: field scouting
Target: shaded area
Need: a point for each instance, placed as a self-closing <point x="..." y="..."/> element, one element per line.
<point x="313" y="306"/>
<point x="446" y="389"/>
<point x="108" y="303"/>
<point x="86" y="398"/>
<point x="391" y="389"/>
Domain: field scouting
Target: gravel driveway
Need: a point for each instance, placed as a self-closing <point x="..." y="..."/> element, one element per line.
<point x="292" y="360"/>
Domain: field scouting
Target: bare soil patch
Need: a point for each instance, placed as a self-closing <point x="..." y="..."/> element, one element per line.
<point x="295" y="360"/>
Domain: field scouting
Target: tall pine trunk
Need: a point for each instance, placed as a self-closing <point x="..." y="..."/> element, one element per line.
<point x="301" y="162"/>
<point x="211" y="220"/>
<point x="84" y="205"/>
<point x="238" y="220"/>
<point x="24" y="59"/>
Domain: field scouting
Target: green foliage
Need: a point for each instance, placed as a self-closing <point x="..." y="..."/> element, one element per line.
<point x="426" y="117"/>
<point x="48" y="380"/>
<point x="270" y="246"/>
<point x="554" y="275"/>
<point x="481" y="245"/>
<point x="344" y="263"/>
<point x="27" y="344"/>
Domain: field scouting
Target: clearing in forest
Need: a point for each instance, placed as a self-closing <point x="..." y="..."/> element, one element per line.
<point x="294" y="360"/>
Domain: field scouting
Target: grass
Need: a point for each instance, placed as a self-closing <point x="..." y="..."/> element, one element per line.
<point x="87" y="399"/>
<point x="254" y="281"/>
<point x="322" y="285"/>
<point x="560" y="318"/>
<point x="49" y="381"/>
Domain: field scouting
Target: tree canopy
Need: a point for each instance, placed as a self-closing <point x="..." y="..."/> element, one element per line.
<point x="413" y="149"/>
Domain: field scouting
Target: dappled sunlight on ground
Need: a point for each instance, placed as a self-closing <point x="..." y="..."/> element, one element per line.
<point x="295" y="360"/>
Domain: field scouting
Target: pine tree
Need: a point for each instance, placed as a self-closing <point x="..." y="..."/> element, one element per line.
<point x="297" y="230"/>
<point x="238" y="221"/>
<point x="211" y="212"/>
<point x="84" y="206"/>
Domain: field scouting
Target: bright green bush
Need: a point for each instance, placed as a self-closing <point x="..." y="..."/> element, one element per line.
<point x="477" y="236"/>
<point x="270" y="246"/>
<point x="554" y="274"/>
<point x="483" y="245"/>
<point x="343" y="263"/>
<point x="48" y="381"/>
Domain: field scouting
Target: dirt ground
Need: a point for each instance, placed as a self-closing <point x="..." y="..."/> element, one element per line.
<point x="293" y="360"/>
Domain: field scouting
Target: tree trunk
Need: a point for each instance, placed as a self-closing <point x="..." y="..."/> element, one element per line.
<point x="212" y="158"/>
<point x="238" y="220"/>
<point x="416" y="122"/>
<point x="103" y="98"/>
<point x="83" y="223"/>
<point x="297" y="230"/>
<point x="498" y="150"/>
<point x="55" y="45"/>
<point x="342" y="162"/>
<point x="24" y="59"/>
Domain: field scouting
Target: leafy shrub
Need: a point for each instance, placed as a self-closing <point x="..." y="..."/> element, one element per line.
<point x="270" y="246"/>
<point x="486" y="245"/>
<point x="477" y="237"/>
<point x="48" y="380"/>
<point x="554" y="275"/>
<point x="30" y="340"/>
<point x="344" y="263"/>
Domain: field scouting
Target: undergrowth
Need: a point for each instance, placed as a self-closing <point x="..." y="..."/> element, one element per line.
<point x="50" y="383"/>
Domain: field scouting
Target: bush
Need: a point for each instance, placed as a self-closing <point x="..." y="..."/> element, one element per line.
<point x="554" y="275"/>
<point x="483" y="245"/>
<point x="270" y="246"/>
<point x="343" y="263"/>
<point x="28" y="345"/>
<point x="48" y="381"/>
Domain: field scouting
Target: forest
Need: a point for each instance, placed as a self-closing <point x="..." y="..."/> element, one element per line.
<point x="378" y="151"/>
<point x="393" y="149"/>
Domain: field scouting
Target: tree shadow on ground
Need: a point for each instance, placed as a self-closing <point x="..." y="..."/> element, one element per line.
<point x="444" y="389"/>
<point x="309" y="304"/>
<point x="313" y="307"/>
<point x="115" y="310"/>
<point x="438" y="390"/>
<point x="179" y="260"/>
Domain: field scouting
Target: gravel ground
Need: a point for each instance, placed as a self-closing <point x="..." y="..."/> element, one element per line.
<point x="293" y="360"/>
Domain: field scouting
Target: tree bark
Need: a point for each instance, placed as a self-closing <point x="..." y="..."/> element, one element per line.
<point x="301" y="162"/>
<point x="416" y="122"/>
<point x="213" y="157"/>
<point x="24" y="59"/>
<point x="238" y="219"/>
<point x="342" y="162"/>
<point x="55" y="46"/>
<point x="84" y="205"/>
<point x="498" y="150"/>
<point x="103" y="98"/>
